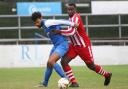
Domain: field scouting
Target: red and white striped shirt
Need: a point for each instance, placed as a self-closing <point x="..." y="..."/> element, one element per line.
<point x="77" y="35"/>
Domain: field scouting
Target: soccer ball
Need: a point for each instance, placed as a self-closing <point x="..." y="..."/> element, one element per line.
<point x="63" y="83"/>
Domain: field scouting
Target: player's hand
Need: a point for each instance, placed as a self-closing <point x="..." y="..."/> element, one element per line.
<point x="76" y="25"/>
<point x="56" y="31"/>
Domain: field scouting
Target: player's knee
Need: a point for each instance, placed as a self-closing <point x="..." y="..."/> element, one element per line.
<point x="50" y="63"/>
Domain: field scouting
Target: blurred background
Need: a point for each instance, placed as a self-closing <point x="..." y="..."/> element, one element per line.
<point x="24" y="45"/>
<point x="16" y="26"/>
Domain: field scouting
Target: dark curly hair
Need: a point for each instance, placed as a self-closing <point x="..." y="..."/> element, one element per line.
<point x="36" y="15"/>
<point x="72" y="4"/>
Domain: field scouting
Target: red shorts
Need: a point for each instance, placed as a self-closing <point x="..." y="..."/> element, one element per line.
<point x="85" y="53"/>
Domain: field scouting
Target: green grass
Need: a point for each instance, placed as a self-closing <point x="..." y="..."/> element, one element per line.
<point x="27" y="78"/>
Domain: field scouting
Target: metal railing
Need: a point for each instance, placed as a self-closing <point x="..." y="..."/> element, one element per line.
<point x="19" y="28"/>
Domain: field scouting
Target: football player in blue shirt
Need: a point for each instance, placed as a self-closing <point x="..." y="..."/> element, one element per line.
<point x="59" y="41"/>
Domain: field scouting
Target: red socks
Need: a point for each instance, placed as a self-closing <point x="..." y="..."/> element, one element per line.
<point x="68" y="71"/>
<point x="101" y="71"/>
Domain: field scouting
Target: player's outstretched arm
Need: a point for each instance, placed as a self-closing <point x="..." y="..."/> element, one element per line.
<point x="52" y="22"/>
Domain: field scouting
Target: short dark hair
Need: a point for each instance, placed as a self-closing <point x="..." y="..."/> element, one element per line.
<point x="36" y="15"/>
<point x="72" y="4"/>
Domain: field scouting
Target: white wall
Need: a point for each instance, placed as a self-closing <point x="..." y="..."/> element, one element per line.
<point x="37" y="55"/>
<point x="109" y="7"/>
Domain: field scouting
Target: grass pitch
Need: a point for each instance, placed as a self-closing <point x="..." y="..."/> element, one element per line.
<point x="27" y="78"/>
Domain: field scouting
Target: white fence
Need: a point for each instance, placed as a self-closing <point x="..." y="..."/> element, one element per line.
<point x="86" y="20"/>
<point x="37" y="55"/>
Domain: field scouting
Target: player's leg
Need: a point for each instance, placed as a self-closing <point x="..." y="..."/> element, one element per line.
<point x="100" y="70"/>
<point x="60" y="51"/>
<point x="87" y="56"/>
<point x="67" y="69"/>
<point x="59" y="70"/>
<point x="69" y="72"/>
<point x="44" y="82"/>
<point x="55" y="55"/>
<point x="52" y="63"/>
<point x="47" y="73"/>
<point x="50" y="67"/>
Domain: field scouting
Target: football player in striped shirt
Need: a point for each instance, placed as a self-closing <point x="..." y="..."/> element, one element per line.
<point x="80" y="45"/>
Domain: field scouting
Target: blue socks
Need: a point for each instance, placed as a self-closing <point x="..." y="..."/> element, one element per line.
<point x="48" y="73"/>
<point x="59" y="70"/>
